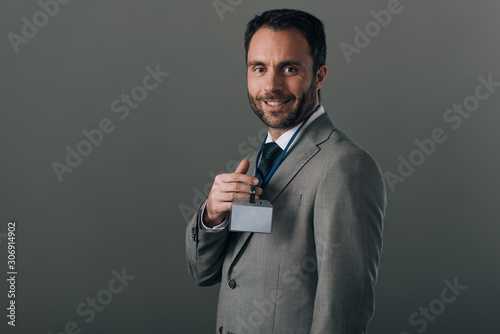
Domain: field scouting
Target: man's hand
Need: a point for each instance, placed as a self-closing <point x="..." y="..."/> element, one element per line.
<point x="227" y="188"/>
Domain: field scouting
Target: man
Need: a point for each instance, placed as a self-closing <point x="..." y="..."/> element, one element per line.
<point x="316" y="271"/>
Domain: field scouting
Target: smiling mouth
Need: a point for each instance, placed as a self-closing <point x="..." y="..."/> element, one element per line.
<point x="276" y="103"/>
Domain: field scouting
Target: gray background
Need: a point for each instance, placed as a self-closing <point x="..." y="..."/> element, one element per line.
<point x="121" y="206"/>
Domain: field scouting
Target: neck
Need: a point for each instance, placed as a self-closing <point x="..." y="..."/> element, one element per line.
<point x="276" y="133"/>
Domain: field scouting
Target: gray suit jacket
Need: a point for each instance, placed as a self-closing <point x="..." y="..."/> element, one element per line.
<point x="316" y="272"/>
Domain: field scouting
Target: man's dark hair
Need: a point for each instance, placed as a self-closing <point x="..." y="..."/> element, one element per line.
<point x="284" y="19"/>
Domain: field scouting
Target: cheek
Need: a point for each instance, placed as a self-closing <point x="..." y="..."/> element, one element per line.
<point x="253" y="87"/>
<point x="298" y="85"/>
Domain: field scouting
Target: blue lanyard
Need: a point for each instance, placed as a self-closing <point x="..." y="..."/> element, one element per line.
<point x="278" y="162"/>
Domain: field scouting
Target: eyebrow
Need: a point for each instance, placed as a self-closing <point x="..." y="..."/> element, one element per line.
<point x="281" y="64"/>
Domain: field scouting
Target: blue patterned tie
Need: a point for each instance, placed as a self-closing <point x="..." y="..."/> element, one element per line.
<point x="270" y="153"/>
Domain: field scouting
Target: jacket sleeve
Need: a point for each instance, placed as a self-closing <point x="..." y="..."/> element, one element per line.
<point x="205" y="251"/>
<point x="348" y="222"/>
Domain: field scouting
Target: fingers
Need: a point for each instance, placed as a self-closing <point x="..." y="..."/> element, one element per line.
<point x="226" y="206"/>
<point x="234" y="177"/>
<point x="240" y="174"/>
<point x="231" y="197"/>
<point x="238" y="188"/>
<point x="220" y="203"/>
<point x="243" y="167"/>
<point x="231" y="191"/>
<point x="229" y="187"/>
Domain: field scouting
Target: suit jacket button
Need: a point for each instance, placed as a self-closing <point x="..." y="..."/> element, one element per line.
<point x="220" y="330"/>
<point x="231" y="284"/>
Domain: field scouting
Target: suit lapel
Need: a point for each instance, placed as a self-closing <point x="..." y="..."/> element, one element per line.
<point x="305" y="147"/>
<point x="296" y="158"/>
<point x="299" y="154"/>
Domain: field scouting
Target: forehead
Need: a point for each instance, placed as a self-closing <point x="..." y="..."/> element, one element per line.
<point x="276" y="45"/>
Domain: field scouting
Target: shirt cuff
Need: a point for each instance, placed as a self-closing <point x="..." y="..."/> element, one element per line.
<point x="216" y="228"/>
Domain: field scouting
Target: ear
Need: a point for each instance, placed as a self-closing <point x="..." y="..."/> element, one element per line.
<point x="321" y="76"/>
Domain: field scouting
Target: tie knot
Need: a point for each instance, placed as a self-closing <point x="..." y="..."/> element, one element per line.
<point x="271" y="151"/>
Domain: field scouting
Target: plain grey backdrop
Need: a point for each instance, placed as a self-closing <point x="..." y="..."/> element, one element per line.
<point x="125" y="204"/>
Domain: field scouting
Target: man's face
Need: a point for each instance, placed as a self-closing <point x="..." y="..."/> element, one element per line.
<point x="281" y="83"/>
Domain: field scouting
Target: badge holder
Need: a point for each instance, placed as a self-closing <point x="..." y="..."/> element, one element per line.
<point x="250" y="215"/>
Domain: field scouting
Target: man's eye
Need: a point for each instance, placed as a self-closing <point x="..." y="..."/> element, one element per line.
<point x="290" y="70"/>
<point x="259" y="70"/>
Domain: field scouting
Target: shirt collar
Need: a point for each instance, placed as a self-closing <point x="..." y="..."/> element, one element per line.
<point x="283" y="140"/>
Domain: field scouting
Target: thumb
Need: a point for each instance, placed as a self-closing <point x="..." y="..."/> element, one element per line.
<point x="243" y="167"/>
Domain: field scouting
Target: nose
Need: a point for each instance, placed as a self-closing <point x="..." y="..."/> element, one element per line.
<point x="273" y="82"/>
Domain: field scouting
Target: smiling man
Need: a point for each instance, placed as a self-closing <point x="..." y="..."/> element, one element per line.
<point x="281" y="82"/>
<point x="316" y="271"/>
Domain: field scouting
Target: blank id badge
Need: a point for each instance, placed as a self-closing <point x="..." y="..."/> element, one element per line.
<point x="251" y="217"/>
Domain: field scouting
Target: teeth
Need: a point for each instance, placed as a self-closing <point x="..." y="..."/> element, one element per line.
<point x="275" y="104"/>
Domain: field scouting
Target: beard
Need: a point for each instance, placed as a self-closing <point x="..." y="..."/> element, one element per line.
<point x="287" y="120"/>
